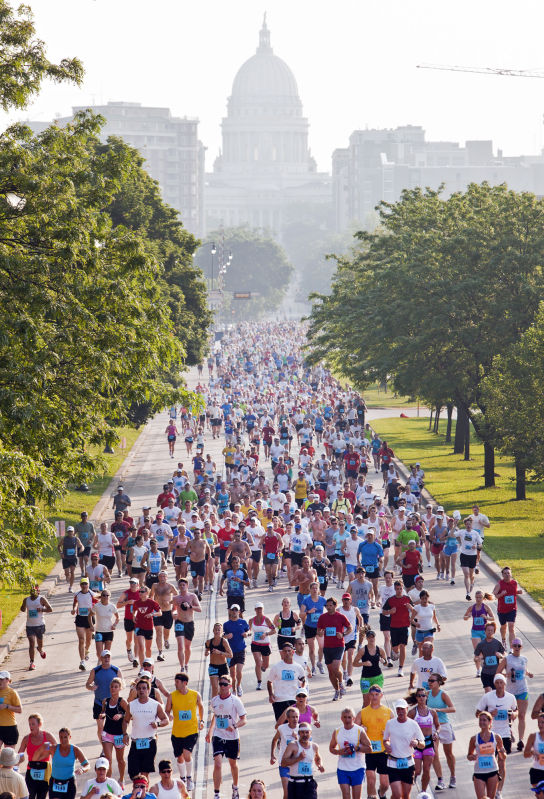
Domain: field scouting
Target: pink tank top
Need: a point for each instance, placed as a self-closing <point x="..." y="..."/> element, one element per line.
<point x="32" y="748"/>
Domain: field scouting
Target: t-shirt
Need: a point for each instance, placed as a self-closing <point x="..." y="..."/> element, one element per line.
<point x="332" y="623"/>
<point x="108" y="786"/>
<point x="401" y="617"/>
<point x="423" y="668"/>
<point x="405" y="536"/>
<point x="227" y="712"/>
<point x="143" y="611"/>
<point x="286" y="679"/>
<point x="491" y="701"/>
<point x="234" y="587"/>
<point x="352" y="547"/>
<point x="105" y="615"/>
<point x="373" y="720"/>
<point x="470" y="541"/>
<point x="236" y="628"/>
<point x="299" y="541"/>
<point x="7" y="717"/>
<point x="12" y="782"/>
<point x="370" y="552"/>
<point x="490" y="651"/>
<point x="313" y="609"/>
<point x="400" y="734"/>
<point x="225" y="537"/>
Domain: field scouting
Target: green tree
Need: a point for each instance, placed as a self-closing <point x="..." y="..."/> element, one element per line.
<point x="513" y="392"/>
<point x="434" y="295"/>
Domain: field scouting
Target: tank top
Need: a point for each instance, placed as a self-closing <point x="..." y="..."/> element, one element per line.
<point x="63" y="767"/>
<point x="143" y="713"/>
<point x="437" y="533"/>
<point x="34" y="612"/>
<point x="84" y="603"/>
<point x="437" y="703"/>
<point x="360" y="593"/>
<point x="154" y="561"/>
<point x="306" y="716"/>
<point x="515" y="672"/>
<point x="424" y="721"/>
<point x="32" y="748"/>
<point x="129" y="609"/>
<point x="374" y="670"/>
<point x="287" y="628"/>
<point x="168" y="793"/>
<point x="287" y="735"/>
<point x="69" y="546"/>
<point x="96" y="577"/>
<point x="486" y="760"/>
<point x="508" y="602"/>
<point x="220" y="646"/>
<point x="105" y="544"/>
<point x="305" y="767"/>
<point x="184" y="711"/>
<point x="352" y="618"/>
<point x="478" y="617"/>
<point x="260" y="634"/>
<point x="344" y="737"/>
<point x="138" y="555"/>
<point x="538" y="759"/>
<point x="111" y="726"/>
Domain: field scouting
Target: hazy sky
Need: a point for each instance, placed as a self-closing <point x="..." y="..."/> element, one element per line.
<point x="354" y="60"/>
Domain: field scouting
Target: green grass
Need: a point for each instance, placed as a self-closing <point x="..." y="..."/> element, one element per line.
<point x="517" y="528"/>
<point x="377" y="398"/>
<point x="68" y="509"/>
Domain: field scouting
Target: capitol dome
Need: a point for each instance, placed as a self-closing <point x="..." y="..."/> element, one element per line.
<point x="265" y="78"/>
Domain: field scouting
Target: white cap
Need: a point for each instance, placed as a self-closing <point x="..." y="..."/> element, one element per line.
<point x="456" y="515"/>
<point x="400" y="703"/>
<point x="440" y="508"/>
<point x="149" y="660"/>
<point x="500" y="677"/>
<point x="5" y="675"/>
<point x="102" y="762"/>
<point x="258" y="605"/>
<point x="145" y="673"/>
<point x="303" y="691"/>
<point x="70" y="529"/>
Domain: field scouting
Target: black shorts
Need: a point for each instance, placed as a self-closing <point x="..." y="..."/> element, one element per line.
<point x="221" y="670"/>
<point x="238" y="657"/>
<point x="97" y="709"/>
<point x="118" y="548"/>
<point x="222" y="555"/>
<point x="405" y="775"/>
<point x="376" y="761"/>
<point x="107" y="636"/>
<point x="399" y="635"/>
<point x="67" y="788"/>
<point x="256" y="556"/>
<point x="164" y="620"/>
<point x="129" y="625"/>
<point x="9" y="735"/>
<point x="264" y="649"/>
<point x="147" y="634"/>
<point x="142" y="760"/>
<point x="235" y="599"/>
<point x="285" y="639"/>
<point x="187" y="630"/>
<point x="488" y="680"/>
<point x="385" y="623"/>
<point x="507" y="745"/>
<point x="68" y="563"/>
<point x="280" y="707"/>
<point x="151" y="579"/>
<point x="108" y="561"/>
<point x="296" y="558"/>
<point x="36" y="632"/>
<point x="187" y="743"/>
<point x="504" y="618"/>
<point x="467" y="560"/>
<point x="197" y="569"/>
<point x="484" y="777"/>
<point x="341" y="558"/>
<point x="310" y="632"/>
<point x="332" y="653"/>
<point x="350" y="644"/>
<point x="86" y="552"/>
<point x="409" y="580"/>
<point x="37" y="788"/>
<point x="228" y="749"/>
<point x="138" y="570"/>
<point x="536" y="775"/>
<point x="82" y="621"/>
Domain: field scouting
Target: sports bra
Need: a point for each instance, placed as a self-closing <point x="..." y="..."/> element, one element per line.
<point x="424" y="721"/>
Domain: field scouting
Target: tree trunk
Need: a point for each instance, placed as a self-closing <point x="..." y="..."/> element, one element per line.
<point x="489" y="465"/>
<point x="437" y="418"/>
<point x="459" y="441"/>
<point x="466" y="437"/>
<point x="520" y="479"/>
<point x="449" y="408"/>
<point x="431" y="419"/>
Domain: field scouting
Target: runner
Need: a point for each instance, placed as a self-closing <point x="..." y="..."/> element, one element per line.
<point x="98" y="574"/>
<point x="507" y="592"/>
<point x="163" y="594"/>
<point x="106" y="620"/>
<point x="236" y="578"/>
<point x="228" y="716"/>
<point x="126" y="601"/>
<point x="110" y="727"/>
<point x="373" y="718"/>
<point x="397" y="608"/>
<point x="348" y="743"/>
<point x="487" y="753"/>
<point x="514" y="667"/>
<point x="101" y="783"/>
<point x="535" y="748"/>
<point x="429" y="725"/>
<point x="286" y="733"/>
<point x="332" y="626"/>
<point x="82" y="609"/>
<point x="70" y="548"/>
<point x="480" y="615"/>
<point x="35" y="606"/>
<point x="441" y="702"/>
<point x="284" y="678"/>
<point x="218" y="650"/>
<point x="185" y="605"/>
<point x="146" y="716"/>
<point x="402" y="736"/>
<point x="369" y="657"/>
<point x="353" y="615"/>
<point x="486" y="656"/>
<point x="236" y="630"/>
<point x="38" y="771"/>
<point x="311" y="609"/>
<point x="300" y="757"/>
<point x="62" y="783"/>
<point x="168" y="787"/>
<point x="469" y="543"/>
<point x="85" y="531"/>
<point x="286" y="622"/>
<point x="145" y="610"/>
<point x="185" y="709"/>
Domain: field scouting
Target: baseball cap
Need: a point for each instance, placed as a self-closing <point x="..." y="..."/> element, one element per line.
<point x="148" y="660"/>
<point x="5" y="675"/>
<point x="319" y="547"/>
<point x="517" y="642"/>
<point x="120" y="488"/>
<point x="234" y="607"/>
<point x="146" y="507"/>
<point x="145" y="673"/>
<point x="302" y="692"/>
<point x="500" y="677"/>
<point x="70" y="529"/>
<point x="134" y="580"/>
<point x="269" y="525"/>
<point x="400" y="703"/>
<point x="298" y="527"/>
<point x="440" y="508"/>
<point x="102" y="762"/>
<point x="84" y="580"/>
<point x="346" y="596"/>
<point x="258" y="605"/>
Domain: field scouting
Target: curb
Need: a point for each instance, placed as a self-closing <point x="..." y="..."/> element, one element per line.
<point x="492" y="569"/>
<point x="17" y="628"/>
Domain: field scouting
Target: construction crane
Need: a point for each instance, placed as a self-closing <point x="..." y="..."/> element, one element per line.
<point x="511" y="73"/>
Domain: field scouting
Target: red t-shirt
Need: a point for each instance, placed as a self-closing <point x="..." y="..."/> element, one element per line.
<point x="412" y="560"/>
<point x="143" y="613"/>
<point x="225" y="537"/>
<point x="271" y="544"/>
<point x="351" y="498"/>
<point x="135" y="597"/>
<point x="510" y="601"/>
<point x="386" y="454"/>
<point x="268" y="432"/>
<point x="352" y="460"/>
<point x="402" y="616"/>
<point x="330" y="622"/>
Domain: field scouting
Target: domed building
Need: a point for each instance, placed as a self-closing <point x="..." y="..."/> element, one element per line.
<point x="265" y="167"/>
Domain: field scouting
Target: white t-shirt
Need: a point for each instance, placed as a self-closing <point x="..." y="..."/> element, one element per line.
<point x="399" y="735"/>
<point x="469" y="541"/>
<point x="108" y="786"/>
<point x="352" y="547"/>
<point x="143" y="713"/>
<point x="299" y="541"/>
<point x="104" y="616"/>
<point x="479" y="523"/>
<point x="276" y="500"/>
<point x="491" y="701"/>
<point x="422" y="668"/>
<point x="286" y="679"/>
<point x="227" y="712"/>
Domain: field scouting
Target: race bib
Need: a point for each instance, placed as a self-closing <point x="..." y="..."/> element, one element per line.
<point x="60" y="787"/>
<point x="186" y="715"/>
<point x="370" y="569"/>
<point x="142" y="743"/>
<point x="402" y="762"/>
<point x="179" y="627"/>
<point x="297" y="548"/>
<point x="365" y="685"/>
<point x="509" y="599"/>
<point x="213" y="671"/>
<point x="83" y="611"/>
<point x="286" y="631"/>
<point x="118" y="740"/>
<point x="376" y="746"/>
<point x="330" y="632"/>
<point x="95" y="585"/>
<point x="425" y="684"/>
<point x="502" y="714"/>
<point x="314" y="617"/>
<point x="321" y="579"/>
<point x="478" y="621"/>
<point x="362" y="604"/>
<point x="270" y="555"/>
<point x="234" y="585"/>
<point x="222" y="723"/>
<point x="37" y="773"/>
<point x="259" y="635"/>
<point x="540" y="748"/>
<point x="485" y="762"/>
<point x="304" y="768"/>
<point x="70" y="552"/>
<point x="491" y="660"/>
<point x="519" y="674"/>
<point x="287" y="675"/>
<point x="33" y="613"/>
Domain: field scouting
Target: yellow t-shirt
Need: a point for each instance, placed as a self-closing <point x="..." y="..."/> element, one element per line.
<point x="8" y="697"/>
<point x="374" y="721"/>
<point x="229" y="453"/>
<point x="301" y="489"/>
<point x="184" y="711"/>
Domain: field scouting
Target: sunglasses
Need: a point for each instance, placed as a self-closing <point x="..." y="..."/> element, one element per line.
<point x="516" y="646"/>
<point x="430" y="681"/>
<point x="142" y="590"/>
<point x="374" y="691"/>
<point x="225" y="684"/>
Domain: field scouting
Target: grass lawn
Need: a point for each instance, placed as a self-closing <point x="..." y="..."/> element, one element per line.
<point x="69" y="509"/>
<point x="516" y="535"/>
<point x="375" y="397"/>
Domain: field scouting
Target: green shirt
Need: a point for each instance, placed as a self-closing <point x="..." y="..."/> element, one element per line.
<point x="188" y="494"/>
<point x="405" y="536"/>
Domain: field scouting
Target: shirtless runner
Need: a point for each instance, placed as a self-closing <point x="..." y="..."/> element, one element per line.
<point x="303" y="576"/>
<point x="199" y="552"/>
<point x="180" y="551"/>
<point x="163" y="593"/>
<point x="184" y="606"/>
<point x="239" y="548"/>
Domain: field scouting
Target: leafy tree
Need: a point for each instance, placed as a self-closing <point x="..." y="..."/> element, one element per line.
<point x="258" y="265"/>
<point x="23" y="63"/>
<point x="434" y="295"/>
<point x="513" y="392"/>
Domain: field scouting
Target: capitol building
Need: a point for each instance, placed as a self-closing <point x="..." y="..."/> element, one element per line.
<point x="265" y="167"/>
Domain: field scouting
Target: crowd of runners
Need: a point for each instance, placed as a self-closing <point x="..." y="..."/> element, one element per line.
<point x="306" y="503"/>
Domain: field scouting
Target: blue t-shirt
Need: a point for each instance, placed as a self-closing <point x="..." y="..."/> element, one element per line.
<point x="314" y="609"/>
<point x="234" y="588"/>
<point x="237" y="628"/>
<point x="370" y="553"/>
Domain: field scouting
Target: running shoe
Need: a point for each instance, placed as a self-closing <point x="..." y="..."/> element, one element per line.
<point x="389" y="664"/>
<point x="270" y="588"/>
<point x="400" y="672"/>
<point x="32" y="667"/>
<point x="43" y="654"/>
<point x="520" y="746"/>
<point x="189" y="783"/>
<point x="394" y="655"/>
<point x="320" y="667"/>
<point x="477" y="571"/>
<point x="478" y="672"/>
<point x="452" y="582"/>
<point x="259" y="686"/>
<point x="160" y="657"/>
<point x="336" y="696"/>
<point x="313" y="670"/>
<point x="239" y="692"/>
<point x="167" y="644"/>
<point x="414" y="648"/>
<point x="467" y="597"/>
<point x="453" y="783"/>
<point x="235" y="793"/>
<point x="349" y="682"/>
<point x="342" y="691"/>
<point x="82" y="666"/>
<point x="498" y="795"/>
<point x="86" y="654"/>
<point x="440" y="786"/>
<point x="135" y="664"/>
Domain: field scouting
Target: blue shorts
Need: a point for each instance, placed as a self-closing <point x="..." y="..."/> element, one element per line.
<point x="524" y="695"/>
<point x="421" y="635"/>
<point x="356" y="777"/>
<point x="479" y="634"/>
<point x="284" y="771"/>
<point x="450" y="551"/>
<point x="350" y="569"/>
